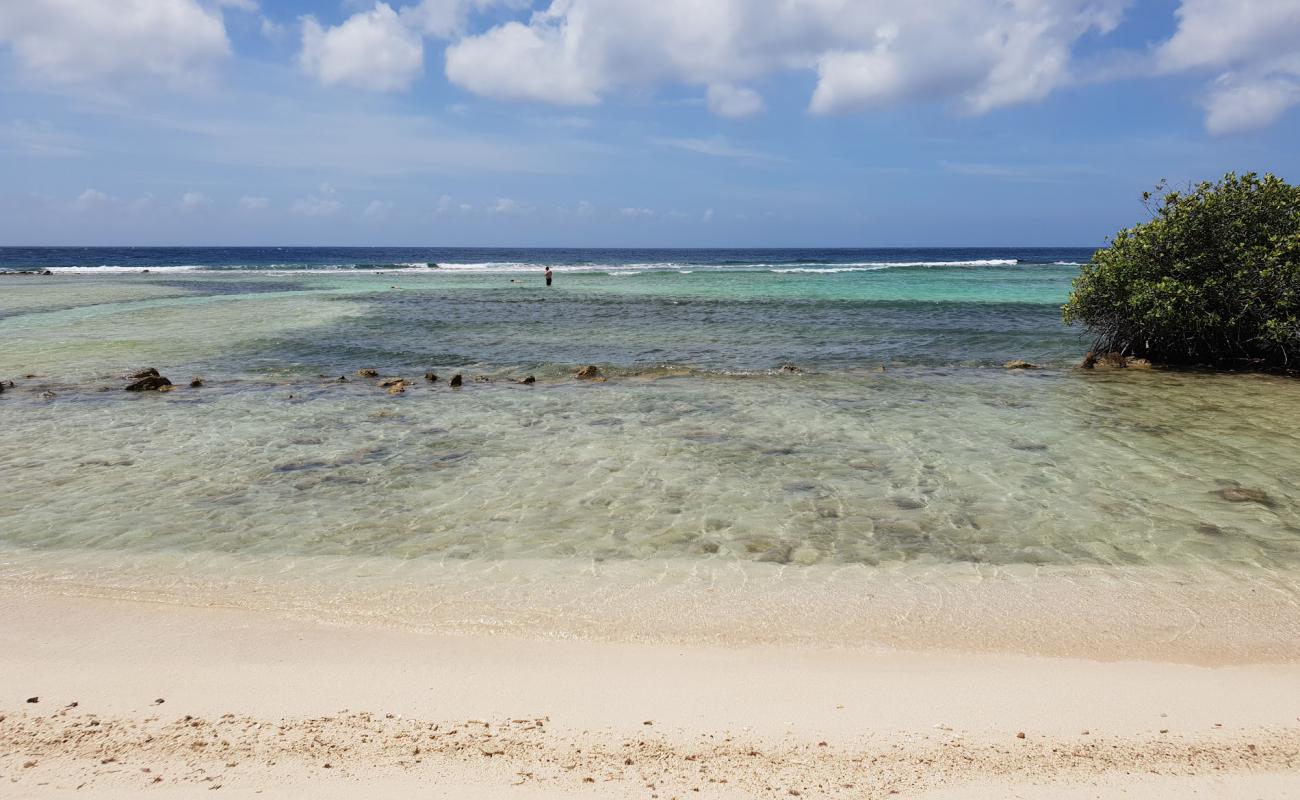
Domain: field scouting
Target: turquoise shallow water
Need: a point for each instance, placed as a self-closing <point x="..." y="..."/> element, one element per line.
<point x="900" y="441"/>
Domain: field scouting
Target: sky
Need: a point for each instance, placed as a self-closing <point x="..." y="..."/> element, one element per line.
<point x="639" y="123"/>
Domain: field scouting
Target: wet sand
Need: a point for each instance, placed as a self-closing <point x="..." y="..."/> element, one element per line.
<point x="264" y="704"/>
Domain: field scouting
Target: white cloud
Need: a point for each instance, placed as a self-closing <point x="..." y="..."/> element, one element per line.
<point x="377" y="210"/>
<point x="716" y="146"/>
<point x="1252" y="45"/>
<point x="636" y="212"/>
<point x="193" y="201"/>
<point x="735" y="102"/>
<point x="177" y="42"/>
<point x="707" y="216"/>
<point x="503" y="205"/>
<point x="976" y="54"/>
<point x="584" y="209"/>
<point x="372" y="50"/>
<point x="252" y="203"/>
<point x="318" y="204"/>
<point x="92" y="198"/>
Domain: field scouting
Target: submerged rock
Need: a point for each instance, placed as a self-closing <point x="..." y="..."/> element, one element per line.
<point x="1242" y="494"/>
<point x="457" y="380"/>
<point x="342" y="379"/>
<point x="790" y="368"/>
<point x="482" y="379"/>
<point x="431" y="376"/>
<point x="530" y="379"/>
<point x="196" y="383"/>
<point x="145" y="373"/>
<point x="368" y="373"/>
<point x="1112" y="360"/>
<point x="589" y="372"/>
<point x="150" y="383"/>
<point x="1019" y="363"/>
<point x="391" y="382"/>
<point x="397" y="388"/>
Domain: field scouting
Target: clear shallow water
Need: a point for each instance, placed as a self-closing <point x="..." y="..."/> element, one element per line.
<point x="698" y="450"/>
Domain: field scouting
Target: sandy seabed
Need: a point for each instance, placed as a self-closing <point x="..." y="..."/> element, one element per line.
<point x="162" y="699"/>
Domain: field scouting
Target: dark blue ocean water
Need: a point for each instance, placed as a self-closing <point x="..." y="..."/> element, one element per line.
<point x="20" y="258"/>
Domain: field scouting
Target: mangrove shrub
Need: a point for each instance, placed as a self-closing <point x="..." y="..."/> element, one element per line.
<point x="1213" y="278"/>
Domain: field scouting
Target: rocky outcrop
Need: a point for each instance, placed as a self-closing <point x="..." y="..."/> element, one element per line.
<point x="1019" y="364"/>
<point x="431" y="376"/>
<point x="456" y="380"/>
<point x="589" y="372"/>
<point x="367" y="373"/>
<point x="1113" y="360"/>
<point x="529" y="380"/>
<point x="790" y="368"/>
<point x="196" y="383"/>
<point x="144" y="373"/>
<point x="150" y="383"/>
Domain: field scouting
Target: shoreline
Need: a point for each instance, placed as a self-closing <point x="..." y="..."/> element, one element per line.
<point x="255" y="703"/>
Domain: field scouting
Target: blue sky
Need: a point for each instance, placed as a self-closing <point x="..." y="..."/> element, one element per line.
<point x="625" y="123"/>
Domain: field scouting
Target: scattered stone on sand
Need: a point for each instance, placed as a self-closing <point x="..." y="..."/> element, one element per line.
<point x="367" y="373"/>
<point x="196" y="383"/>
<point x="150" y="383"/>
<point x="431" y="376"/>
<point x="1242" y="494"/>
<point x="1020" y="735"/>
<point x="33" y="699"/>
<point x="530" y="379"/>
<point x="145" y="373"/>
<point x="457" y="380"/>
<point x="159" y="701"/>
<point x="790" y="368"/>
<point x="1019" y="363"/>
<point x="589" y="372"/>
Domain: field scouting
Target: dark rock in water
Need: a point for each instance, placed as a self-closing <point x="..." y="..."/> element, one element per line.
<point x="144" y="272"/>
<point x="457" y="380"/>
<point x="530" y="379"/>
<point x="1241" y="494"/>
<point x="1210" y="530"/>
<point x="150" y="383"/>
<point x="397" y="388"/>
<point x="342" y="379"/>
<point x="368" y="373"/>
<point x="145" y="373"/>
<point x="778" y="554"/>
<point x="1019" y="363"/>
<point x="589" y="372"/>
<point x="482" y="379"/>
<point x="391" y="382"/>
<point x="1114" y="360"/>
<point x="790" y="368"/>
<point x="431" y="376"/>
<point x="196" y="383"/>
<point x="48" y="395"/>
<point x="46" y="272"/>
<point x="907" y="503"/>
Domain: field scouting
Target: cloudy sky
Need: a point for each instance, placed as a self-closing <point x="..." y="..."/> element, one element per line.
<point x="629" y="122"/>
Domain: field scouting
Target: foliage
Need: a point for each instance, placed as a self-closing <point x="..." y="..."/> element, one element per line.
<point x="1213" y="278"/>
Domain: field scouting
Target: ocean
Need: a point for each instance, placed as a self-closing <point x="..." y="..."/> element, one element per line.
<point x="767" y="418"/>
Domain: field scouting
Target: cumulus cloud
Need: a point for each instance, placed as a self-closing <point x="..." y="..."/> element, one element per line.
<point x="92" y="198"/>
<point x="372" y="50"/>
<point x="727" y="100"/>
<point x="177" y="42"/>
<point x="377" y="210"/>
<point x="977" y="54"/>
<point x="503" y="205"/>
<point x="193" y="201"/>
<point x="321" y="203"/>
<point x="1252" y="46"/>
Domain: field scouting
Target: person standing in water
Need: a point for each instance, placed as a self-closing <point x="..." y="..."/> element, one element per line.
<point x="548" y="276"/>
